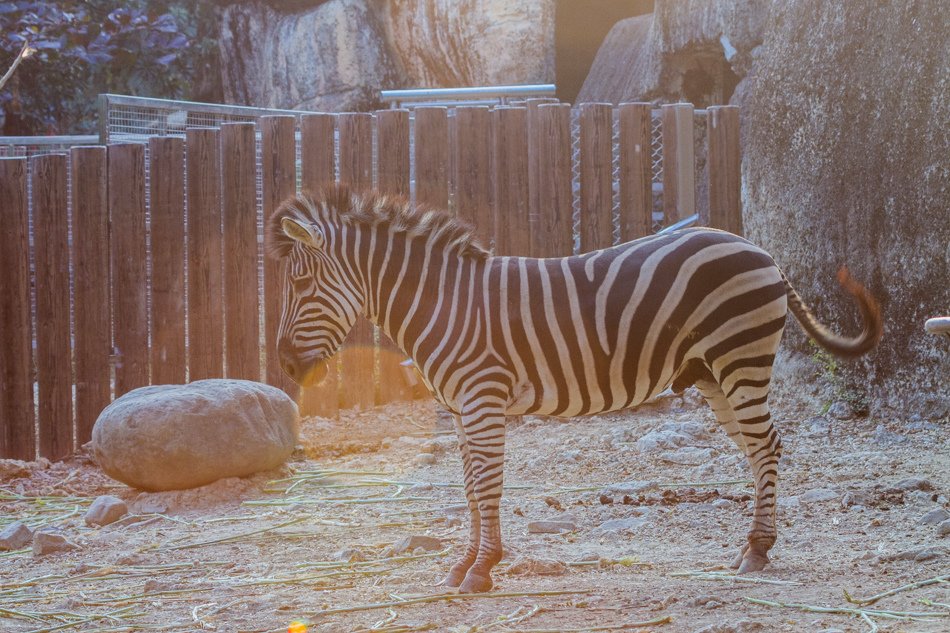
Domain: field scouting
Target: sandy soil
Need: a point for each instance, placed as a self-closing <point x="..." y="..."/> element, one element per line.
<point x="319" y="547"/>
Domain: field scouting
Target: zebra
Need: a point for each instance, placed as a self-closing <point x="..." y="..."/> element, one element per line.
<point x="497" y="336"/>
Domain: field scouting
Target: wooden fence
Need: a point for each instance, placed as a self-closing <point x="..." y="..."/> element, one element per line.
<point x="136" y="264"/>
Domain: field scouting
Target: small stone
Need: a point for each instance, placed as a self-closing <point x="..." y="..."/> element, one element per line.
<point x="855" y="498"/>
<point x="349" y="555"/>
<point x="605" y="500"/>
<point x="742" y="626"/>
<point x="938" y="515"/>
<point x="817" y="426"/>
<point x="722" y="503"/>
<point x="818" y="495"/>
<point x="632" y="487"/>
<point x="689" y="456"/>
<point x="550" y="527"/>
<point x="571" y="456"/>
<point x="627" y="524"/>
<point x="914" y="483"/>
<point x="47" y="541"/>
<point x="841" y="410"/>
<point x="554" y="503"/>
<point x="104" y="510"/>
<point x="944" y="528"/>
<point x="410" y="543"/>
<point x="883" y="436"/>
<point x="417" y="488"/>
<point x="705" y="601"/>
<point x="149" y="503"/>
<point x="792" y="501"/>
<point x="153" y="586"/>
<point x="424" y="459"/>
<point x="536" y="567"/>
<point x="15" y="536"/>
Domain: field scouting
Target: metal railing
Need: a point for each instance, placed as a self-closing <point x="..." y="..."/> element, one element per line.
<point x="475" y="95"/>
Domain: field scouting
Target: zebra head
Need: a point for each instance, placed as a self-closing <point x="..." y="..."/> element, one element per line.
<point x="321" y="298"/>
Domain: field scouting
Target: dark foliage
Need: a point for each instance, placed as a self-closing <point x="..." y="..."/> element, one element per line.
<point x="82" y="48"/>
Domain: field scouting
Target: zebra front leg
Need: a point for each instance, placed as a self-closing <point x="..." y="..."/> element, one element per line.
<point x="459" y="569"/>
<point x="485" y="432"/>
<point x="745" y="418"/>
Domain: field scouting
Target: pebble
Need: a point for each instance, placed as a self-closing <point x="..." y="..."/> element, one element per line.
<point x="423" y="487"/>
<point x="841" y="410"/>
<point x="705" y="601"/>
<point x="742" y="626"/>
<point x="627" y="524"/>
<point x="914" y="483"/>
<point x="817" y="426"/>
<point x="104" y="510"/>
<point x="819" y="494"/>
<point x="424" y="459"/>
<point x="934" y="517"/>
<point x="410" y="543"/>
<point x="883" y="436"/>
<point x="916" y="554"/>
<point x="689" y="456"/>
<point x="632" y="487"/>
<point x="855" y="498"/>
<point x="15" y="536"/>
<point x="571" y="456"/>
<point x="672" y="435"/>
<point x="523" y="566"/>
<point x="722" y="503"/>
<point x="47" y="541"/>
<point x="944" y="528"/>
<point x="349" y="555"/>
<point x="551" y="527"/>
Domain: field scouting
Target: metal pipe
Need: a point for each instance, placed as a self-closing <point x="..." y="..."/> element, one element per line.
<point x="484" y="92"/>
<point x="682" y="224"/>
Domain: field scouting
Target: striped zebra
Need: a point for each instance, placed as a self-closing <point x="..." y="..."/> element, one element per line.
<point x="500" y="336"/>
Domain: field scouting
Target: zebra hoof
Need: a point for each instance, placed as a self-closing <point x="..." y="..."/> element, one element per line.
<point x="454" y="579"/>
<point x="737" y="562"/>
<point x="475" y="583"/>
<point x="753" y="561"/>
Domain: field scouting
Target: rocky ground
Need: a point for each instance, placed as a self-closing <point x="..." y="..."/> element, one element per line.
<point x="610" y="521"/>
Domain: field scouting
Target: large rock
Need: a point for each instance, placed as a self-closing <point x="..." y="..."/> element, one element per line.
<point x="331" y="57"/>
<point x="172" y="437"/>
<point x="451" y="43"/>
<point x="337" y="55"/>
<point x="845" y="156"/>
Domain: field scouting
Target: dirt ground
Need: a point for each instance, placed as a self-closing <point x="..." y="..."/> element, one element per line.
<point x="316" y="546"/>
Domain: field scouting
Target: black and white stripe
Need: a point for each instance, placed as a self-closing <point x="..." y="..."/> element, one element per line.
<point x="499" y="336"/>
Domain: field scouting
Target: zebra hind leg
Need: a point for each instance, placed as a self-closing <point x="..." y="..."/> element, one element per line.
<point x="459" y="569"/>
<point x="744" y="416"/>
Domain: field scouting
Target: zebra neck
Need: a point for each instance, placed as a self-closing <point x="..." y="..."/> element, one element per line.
<point x="419" y="292"/>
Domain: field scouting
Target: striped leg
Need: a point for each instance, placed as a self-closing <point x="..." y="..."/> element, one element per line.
<point x="485" y="431"/>
<point x="459" y="569"/>
<point x="745" y="417"/>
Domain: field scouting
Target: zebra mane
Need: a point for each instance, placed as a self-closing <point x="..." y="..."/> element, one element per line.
<point x="371" y="209"/>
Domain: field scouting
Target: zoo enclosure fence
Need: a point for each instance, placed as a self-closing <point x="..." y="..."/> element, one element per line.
<point x="139" y="261"/>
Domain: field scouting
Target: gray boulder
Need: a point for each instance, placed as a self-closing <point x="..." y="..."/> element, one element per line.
<point x="172" y="437"/>
<point x="15" y="536"/>
<point x="104" y="510"/>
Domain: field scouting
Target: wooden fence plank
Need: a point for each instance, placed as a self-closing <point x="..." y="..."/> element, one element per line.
<point x="512" y="231"/>
<point x="17" y="433"/>
<point x="317" y="152"/>
<point x="167" y="208"/>
<point x="318" y="169"/>
<point x="534" y="211"/>
<point x="473" y="183"/>
<point x="241" y="252"/>
<point x="554" y="234"/>
<point x="53" y="349"/>
<point x="725" y="203"/>
<point x="279" y="178"/>
<point x="636" y="171"/>
<point x="596" y="176"/>
<point x="356" y="169"/>
<point x="392" y="170"/>
<point x="129" y="301"/>
<point x="679" y="189"/>
<point x="205" y="298"/>
<point x="432" y="156"/>
<point x="92" y="309"/>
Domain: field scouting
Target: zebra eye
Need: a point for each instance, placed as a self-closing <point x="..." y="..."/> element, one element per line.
<point x="301" y="284"/>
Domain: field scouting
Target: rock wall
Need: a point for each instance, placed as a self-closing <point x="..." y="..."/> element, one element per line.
<point x="846" y="155"/>
<point x="338" y="54"/>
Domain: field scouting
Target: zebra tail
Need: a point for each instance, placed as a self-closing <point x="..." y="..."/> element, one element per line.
<point x="835" y="343"/>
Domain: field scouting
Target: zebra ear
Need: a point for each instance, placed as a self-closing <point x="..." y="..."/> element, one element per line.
<point x="308" y="234"/>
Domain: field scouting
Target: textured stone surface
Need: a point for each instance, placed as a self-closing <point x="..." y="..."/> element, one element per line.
<point x="172" y="437"/>
<point x="451" y="43"/>
<point x="338" y="55"/>
<point x="844" y="156"/>
<point x="330" y="57"/>
<point x="104" y="510"/>
<point x="49" y="541"/>
<point x="15" y="536"/>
